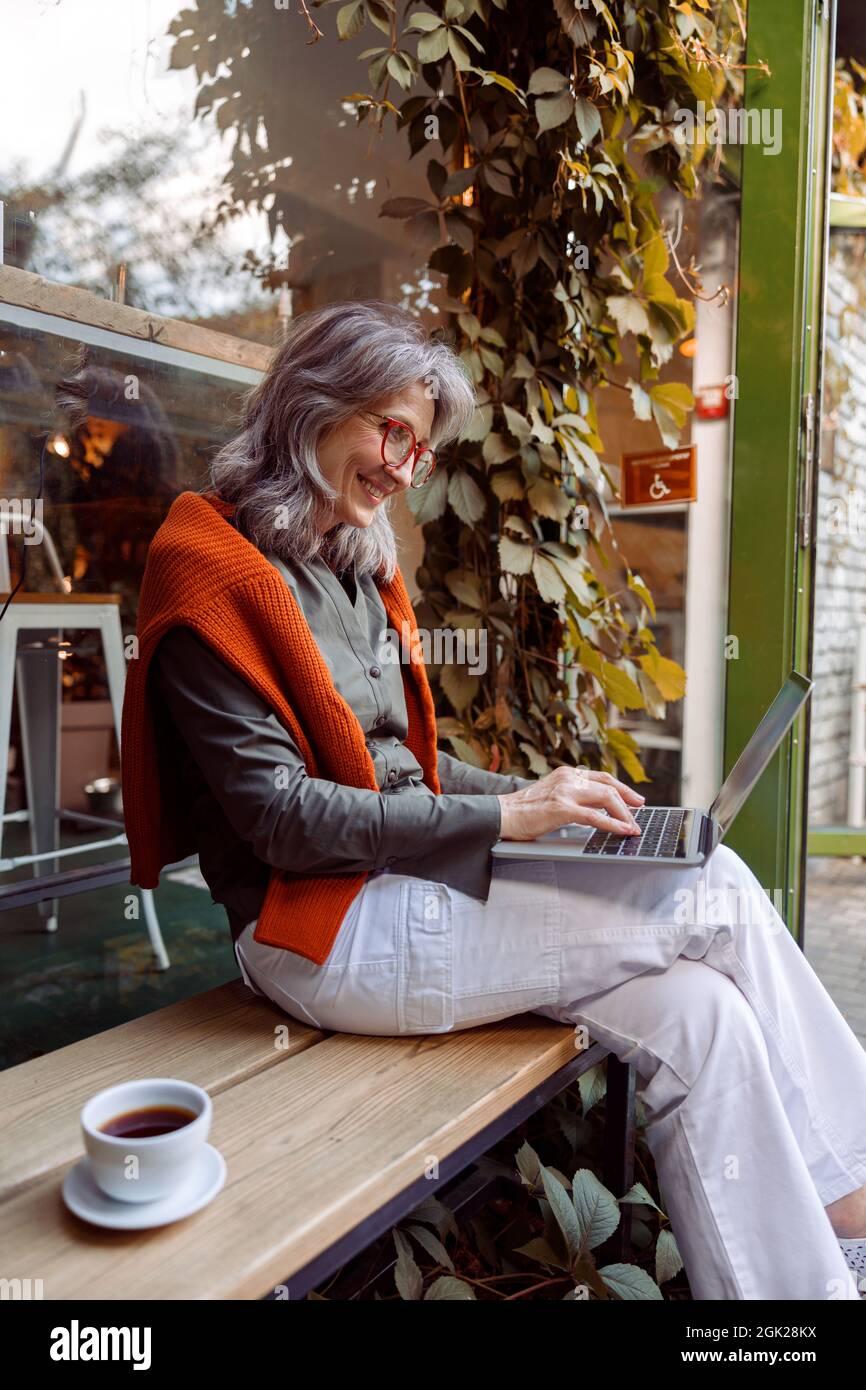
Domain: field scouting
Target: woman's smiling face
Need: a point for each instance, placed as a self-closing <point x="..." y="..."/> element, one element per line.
<point x="350" y="456"/>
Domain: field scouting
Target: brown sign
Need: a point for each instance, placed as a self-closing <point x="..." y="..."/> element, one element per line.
<point x="659" y="478"/>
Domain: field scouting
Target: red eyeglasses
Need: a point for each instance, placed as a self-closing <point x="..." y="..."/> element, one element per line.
<point x="399" y="444"/>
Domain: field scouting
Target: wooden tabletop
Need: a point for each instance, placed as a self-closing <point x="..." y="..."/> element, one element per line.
<point x="318" y="1130"/>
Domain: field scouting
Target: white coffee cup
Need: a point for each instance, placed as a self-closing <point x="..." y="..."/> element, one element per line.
<point x="134" y="1169"/>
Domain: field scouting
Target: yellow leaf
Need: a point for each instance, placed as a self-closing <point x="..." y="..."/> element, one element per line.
<point x="589" y="659"/>
<point x="620" y="688"/>
<point x="667" y="675"/>
<point x="635" y="582"/>
<point x="624" y="749"/>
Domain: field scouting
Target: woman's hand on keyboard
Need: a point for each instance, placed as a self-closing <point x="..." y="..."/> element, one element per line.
<point x="569" y="795"/>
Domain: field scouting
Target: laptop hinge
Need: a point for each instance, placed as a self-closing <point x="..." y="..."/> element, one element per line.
<point x="708" y="836"/>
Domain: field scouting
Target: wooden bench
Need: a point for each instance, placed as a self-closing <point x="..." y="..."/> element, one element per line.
<point x="328" y="1139"/>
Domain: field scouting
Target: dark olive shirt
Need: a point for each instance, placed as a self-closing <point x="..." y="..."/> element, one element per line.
<point x="250" y="798"/>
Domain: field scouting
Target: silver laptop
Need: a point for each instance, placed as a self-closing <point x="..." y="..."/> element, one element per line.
<point x="676" y="834"/>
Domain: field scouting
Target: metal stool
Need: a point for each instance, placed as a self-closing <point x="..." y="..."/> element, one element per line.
<point x="40" y="620"/>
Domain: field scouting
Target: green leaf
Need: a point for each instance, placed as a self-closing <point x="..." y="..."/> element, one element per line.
<point x="628" y="314"/>
<point x="515" y="558"/>
<point x="507" y="486"/>
<point x="541" y="1250"/>
<point x="572" y="572"/>
<point x="547" y="80"/>
<point x="548" y="579"/>
<point x="537" y="762"/>
<point x="592" y="1086"/>
<point x="381" y="13"/>
<point x="516" y="523"/>
<point x="668" y="1258"/>
<point x="467" y="34"/>
<point x="470" y="324"/>
<point x="497" y="449"/>
<point x="548" y="499"/>
<point x="473" y="364"/>
<point x="407" y="1275"/>
<point x="640" y="400"/>
<point x="668" y="427"/>
<point x="674" y="397"/>
<point x="525" y="257"/>
<point x="638" y="1194"/>
<point x="466" y="497"/>
<point x="518" y="425"/>
<point x="350" y="19"/>
<point x="553" y="111"/>
<point x="630" y="1282"/>
<point x="540" y="428"/>
<point x="399" y="69"/>
<point x="466" y="753"/>
<point x="522" y="367"/>
<point x="432" y="1244"/>
<point x="403" y="207"/>
<point x="449" y="1287"/>
<point x="433" y="46"/>
<point x="459" y="686"/>
<point x="563" y="1212"/>
<point x="422" y="20"/>
<point x="428" y="503"/>
<point x="479" y="425"/>
<point x="655" y="257"/>
<point x="465" y="586"/>
<point x="588" y="119"/>
<point x="499" y="182"/>
<point x="492" y="335"/>
<point x="492" y="360"/>
<point x="596" y="1208"/>
<point x="459" y="51"/>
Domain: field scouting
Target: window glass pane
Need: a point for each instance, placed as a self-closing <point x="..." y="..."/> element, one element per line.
<point x="124" y="436"/>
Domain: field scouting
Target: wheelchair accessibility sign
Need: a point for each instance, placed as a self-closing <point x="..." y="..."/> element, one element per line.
<point x="659" y="478"/>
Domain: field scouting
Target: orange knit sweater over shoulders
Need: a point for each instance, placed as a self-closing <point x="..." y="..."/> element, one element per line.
<point x="203" y="574"/>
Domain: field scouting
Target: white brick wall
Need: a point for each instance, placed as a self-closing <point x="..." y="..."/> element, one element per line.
<point x="840" y="594"/>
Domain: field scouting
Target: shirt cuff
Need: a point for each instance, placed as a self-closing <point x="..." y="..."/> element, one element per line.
<point x="421" y="832"/>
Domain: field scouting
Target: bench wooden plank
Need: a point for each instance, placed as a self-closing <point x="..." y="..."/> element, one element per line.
<point x="312" y="1148"/>
<point x="215" y="1039"/>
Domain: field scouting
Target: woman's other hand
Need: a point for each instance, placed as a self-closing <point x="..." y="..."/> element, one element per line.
<point x="569" y="795"/>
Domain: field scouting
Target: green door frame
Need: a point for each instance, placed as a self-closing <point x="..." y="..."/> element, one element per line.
<point x="783" y="230"/>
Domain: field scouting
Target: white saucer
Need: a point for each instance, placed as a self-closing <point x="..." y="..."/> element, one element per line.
<point x="85" y="1199"/>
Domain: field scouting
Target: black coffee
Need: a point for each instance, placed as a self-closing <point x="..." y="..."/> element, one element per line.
<point x="148" y="1122"/>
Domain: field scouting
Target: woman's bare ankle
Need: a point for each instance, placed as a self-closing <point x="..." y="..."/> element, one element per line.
<point x="848" y="1215"/>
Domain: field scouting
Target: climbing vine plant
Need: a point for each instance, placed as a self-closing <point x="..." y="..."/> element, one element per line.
<point x="548" y="130"/>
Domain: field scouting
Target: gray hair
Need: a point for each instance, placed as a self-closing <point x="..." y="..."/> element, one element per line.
<point x="334" y="361"/>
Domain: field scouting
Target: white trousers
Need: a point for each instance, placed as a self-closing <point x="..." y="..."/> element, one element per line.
<point x="754" y="1085"/>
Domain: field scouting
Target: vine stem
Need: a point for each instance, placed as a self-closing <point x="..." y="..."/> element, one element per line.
<point x="544" y="1284"/>
<point x="317" y="33"/>
<point x="459" y="79"/>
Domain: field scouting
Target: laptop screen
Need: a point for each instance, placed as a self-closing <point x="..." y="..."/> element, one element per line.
<point x="760" y="749"/>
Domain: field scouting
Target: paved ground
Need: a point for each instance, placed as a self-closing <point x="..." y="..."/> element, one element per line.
<point x="834" y="938"/>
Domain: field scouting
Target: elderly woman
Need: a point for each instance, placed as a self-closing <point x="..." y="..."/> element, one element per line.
<point x="267" y="727"/>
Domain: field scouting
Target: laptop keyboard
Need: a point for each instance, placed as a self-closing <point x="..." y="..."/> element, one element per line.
<point x="660" y="833"/>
